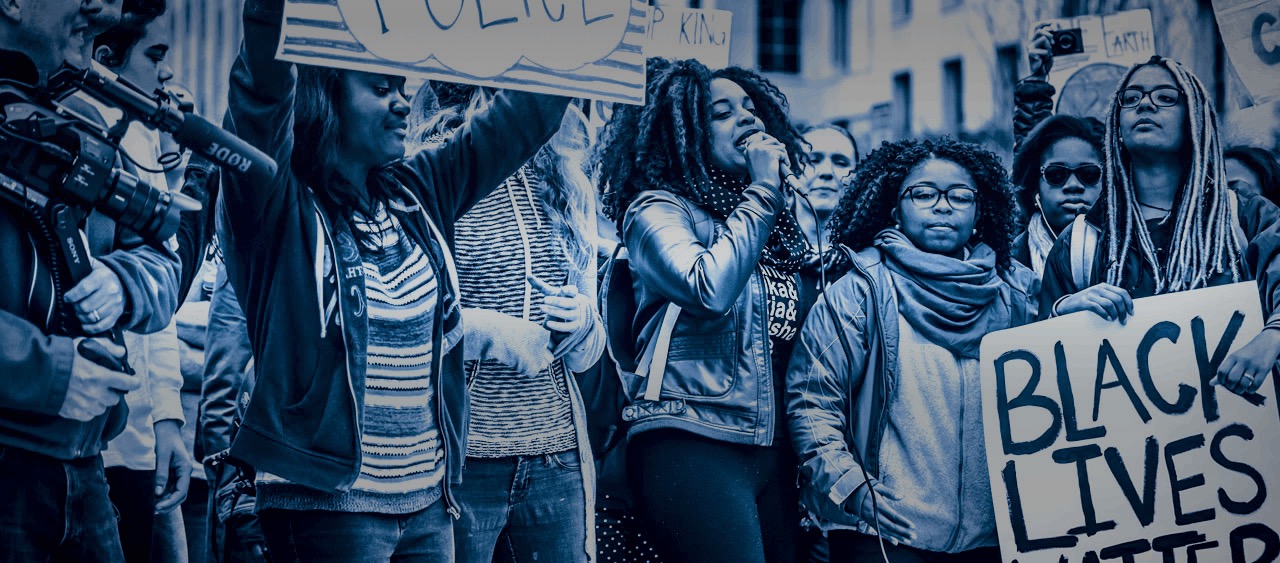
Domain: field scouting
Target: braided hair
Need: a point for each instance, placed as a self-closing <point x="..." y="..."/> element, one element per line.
<point x="869" y="199"/>
<point x="664" y="145"/>
<point x="1204" y="241"/>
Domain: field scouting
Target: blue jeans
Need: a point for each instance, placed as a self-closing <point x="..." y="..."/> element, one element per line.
<point x="351" y="537"/>
<point x="532" y="504"/>
<point x="55" y="510"/>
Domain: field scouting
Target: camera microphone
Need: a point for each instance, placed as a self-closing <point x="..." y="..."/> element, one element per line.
<point x="160" y="112"/>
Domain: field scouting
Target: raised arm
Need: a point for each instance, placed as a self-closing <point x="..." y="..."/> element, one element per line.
<point x="703" y="278"/>
<point x="483" y="152"/>
<point x="260" y="111"/>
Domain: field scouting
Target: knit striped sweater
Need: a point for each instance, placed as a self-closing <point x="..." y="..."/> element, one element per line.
<point x="401" y="456"/>
<point x="512" y="413"/>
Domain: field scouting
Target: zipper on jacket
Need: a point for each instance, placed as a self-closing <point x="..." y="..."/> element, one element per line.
<point x="766" y="406"/>
<point x="346" y="345"/>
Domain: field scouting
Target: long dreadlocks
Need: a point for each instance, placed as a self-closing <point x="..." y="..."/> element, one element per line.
<point x="664" y="145"/>
<point x="1204" y="240"/>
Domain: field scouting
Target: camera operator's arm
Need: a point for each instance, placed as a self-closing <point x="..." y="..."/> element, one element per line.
<point x="49" y="377"/>
<point x="142" y="296"/>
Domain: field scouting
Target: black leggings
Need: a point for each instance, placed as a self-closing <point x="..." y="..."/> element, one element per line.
<point x="714" y="501"/>
<point x="848" y="545"/>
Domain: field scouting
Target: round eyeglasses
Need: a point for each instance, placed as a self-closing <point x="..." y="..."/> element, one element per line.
<point x="1058" y="174"/>
<point x="1162" y="97"/>
<point x="926" y="197"/>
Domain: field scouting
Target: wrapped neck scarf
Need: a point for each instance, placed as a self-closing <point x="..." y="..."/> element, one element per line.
<point x="953" y="303"/>
<point x="1039" y="242"/>
<point x="786" y="248"/>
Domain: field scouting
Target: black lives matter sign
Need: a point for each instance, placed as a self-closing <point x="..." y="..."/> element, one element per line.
<point x="1108" y="442"/>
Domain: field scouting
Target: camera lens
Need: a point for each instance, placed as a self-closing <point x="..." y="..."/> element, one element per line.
<point x="1066" y="42"/>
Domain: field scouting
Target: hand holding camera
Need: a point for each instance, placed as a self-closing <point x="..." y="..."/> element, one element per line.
<point x="1047" y="42"/>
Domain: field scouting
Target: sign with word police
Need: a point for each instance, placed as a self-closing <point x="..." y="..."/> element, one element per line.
<point x="1108" y="45"/>
<point x="687" y="33"/>
<point x="1108" y="442"/>
<point x="581" y="48"/>
<point x="1251" y="32"/>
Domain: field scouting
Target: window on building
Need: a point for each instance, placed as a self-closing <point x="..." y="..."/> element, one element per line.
<point x="902" y="104"/>
<point x="953" y="95"/>
<point x="695" y="4"/>
<point x="901" y="11"/>
<point x="1006" y="79"/>
<point x="780" y="36"/>
<point x="840" y="34"/>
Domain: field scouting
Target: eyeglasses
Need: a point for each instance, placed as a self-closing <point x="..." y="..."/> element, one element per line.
<point x="1162" y="97"/>
<point x="1058" y="174"/>
<point x="927" y="197"/>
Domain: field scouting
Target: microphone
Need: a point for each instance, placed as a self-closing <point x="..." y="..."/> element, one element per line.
<point x="160" y="112"/>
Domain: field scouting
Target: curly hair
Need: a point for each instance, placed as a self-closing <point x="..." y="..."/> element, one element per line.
<point x="663" y="145"/>
<point x="1263" y="164"/>
<point x="866" y="207"/>
<point x="1026" y="163"/>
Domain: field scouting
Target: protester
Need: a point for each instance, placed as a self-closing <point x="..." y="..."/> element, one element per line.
<point x="150" y="453"/>
<point x="1253" y="170"/>
<point x="833" y="154"/>
<point x="527" y="270"/>
<point x="693" y="180"/>
<point x="58" y="408"/>
<point x="1165" y="220"/>
<point x="357" y="423"/>
<point x="933" y="275"/>
<point x="1057" y="172"/>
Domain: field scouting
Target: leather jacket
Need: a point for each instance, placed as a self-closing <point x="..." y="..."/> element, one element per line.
<point x="719" y="379"/>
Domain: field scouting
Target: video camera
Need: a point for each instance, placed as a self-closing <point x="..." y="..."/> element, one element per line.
<point x="58" y="166"/>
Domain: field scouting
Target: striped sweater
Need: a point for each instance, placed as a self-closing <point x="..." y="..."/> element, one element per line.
<point x="401" y="463"/>
<point x="499" y="240"/>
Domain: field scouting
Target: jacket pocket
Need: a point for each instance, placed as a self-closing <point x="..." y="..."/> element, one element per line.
<point x="702" y="366"/>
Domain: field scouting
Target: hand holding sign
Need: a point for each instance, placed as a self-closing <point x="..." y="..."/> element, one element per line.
<point x="1244" y="371"/>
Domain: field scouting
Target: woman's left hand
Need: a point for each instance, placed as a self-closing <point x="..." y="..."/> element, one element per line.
<point x="567" y="312"/>
<point x="1244" y="370"/>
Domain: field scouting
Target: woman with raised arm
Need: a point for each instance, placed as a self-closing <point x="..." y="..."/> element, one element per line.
<point x="693" y="178"/>
<point x="1167" y="221"/>
<point x="343" y="266"/>
<point x="884" y="399"/>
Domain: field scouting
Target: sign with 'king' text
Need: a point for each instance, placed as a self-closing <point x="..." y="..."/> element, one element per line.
<point x="582" y="48"/>
<point x="1108" y="442"/>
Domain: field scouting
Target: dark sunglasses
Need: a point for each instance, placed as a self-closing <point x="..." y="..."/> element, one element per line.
<point x="1058" y="174"/>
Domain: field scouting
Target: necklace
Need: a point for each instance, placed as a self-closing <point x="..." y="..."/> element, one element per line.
<point x="1149" y="206"/>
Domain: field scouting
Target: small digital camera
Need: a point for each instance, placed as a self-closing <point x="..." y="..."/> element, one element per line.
<point x="1067" y="42"/>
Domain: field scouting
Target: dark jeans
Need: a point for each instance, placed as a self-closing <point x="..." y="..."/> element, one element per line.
<point x="713" y="501"/>
<point x="55" y="510"/>
<point x="533" y="505"/>
<point x="847" y="545"/>
<point x="133" y="494"/>
<point x="351" y="537"/>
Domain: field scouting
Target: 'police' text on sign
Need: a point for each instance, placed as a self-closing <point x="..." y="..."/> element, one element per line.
<point x="584" y="48"/>
<point x="1107" y="441"/>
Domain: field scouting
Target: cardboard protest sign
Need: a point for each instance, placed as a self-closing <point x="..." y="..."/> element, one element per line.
<point x="1107" y="442"/>
<point x="686" y="33"/>
<point x="582" y="48"/>
<point x="1251" y="32"/>
<point x="1085" y="81"/>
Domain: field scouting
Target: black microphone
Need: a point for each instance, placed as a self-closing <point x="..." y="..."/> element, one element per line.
<point x="160" y="112"/>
